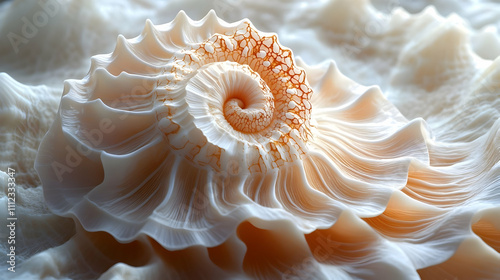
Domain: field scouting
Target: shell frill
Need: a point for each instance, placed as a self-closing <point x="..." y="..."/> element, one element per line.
<point x="247" y="87"/>
<point x="206" y="144"/>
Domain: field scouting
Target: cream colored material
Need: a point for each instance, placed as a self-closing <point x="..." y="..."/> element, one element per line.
<point x="207" y="149"/>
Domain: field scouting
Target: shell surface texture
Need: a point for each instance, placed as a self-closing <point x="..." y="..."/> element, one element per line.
<point x="187" y="108"/>
<point x="208" y="144"/>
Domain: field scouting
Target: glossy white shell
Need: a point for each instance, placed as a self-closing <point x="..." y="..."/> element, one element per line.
<point x="356" y="189"/>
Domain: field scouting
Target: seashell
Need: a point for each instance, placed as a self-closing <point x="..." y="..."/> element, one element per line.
<point x="216" y="114"/>
<point x="208" y="145"/>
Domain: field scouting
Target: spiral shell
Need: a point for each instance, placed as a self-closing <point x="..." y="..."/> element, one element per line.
<point x="196" y="132"/>
<point x="201" y="144"/>
<point x="244" y="96"/>
<point x="194" y="127"/>
<point x="169" y="124"/>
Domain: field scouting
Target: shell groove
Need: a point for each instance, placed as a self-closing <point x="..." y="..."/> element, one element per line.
<point x="208" y="133"/>
<point x="192" y="121"/>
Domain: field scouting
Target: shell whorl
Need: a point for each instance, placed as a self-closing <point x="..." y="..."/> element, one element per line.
<point x="245" y="95"/>
<point x="188" y="111"/>
<point x="247" y="102"/>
